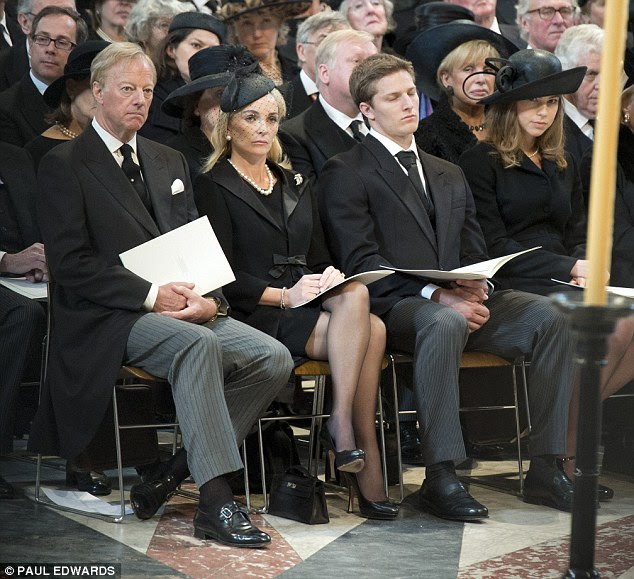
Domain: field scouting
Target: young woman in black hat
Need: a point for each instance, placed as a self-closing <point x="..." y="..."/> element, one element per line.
<point x="528" y="193"/>
<point x="266" y="220"/>
<point x="444" y="56"/>
<point x="188" y="33"/>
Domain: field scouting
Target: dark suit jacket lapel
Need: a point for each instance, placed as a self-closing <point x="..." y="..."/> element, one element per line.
<point x="100" y="162"/>
<point x="22" y="199"/>
<point x="327" y="136"/>
<point x="225" y="175"/>
<point x="158" y="182"/>
<point x="33" y="108"/>
<point x="399" y="183"/>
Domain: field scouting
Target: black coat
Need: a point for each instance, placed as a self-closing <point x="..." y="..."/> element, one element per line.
<point x="195" y="145"/>
<point x="523" y="207"/>
<point x="14" y="63"/>
<point x="311" y="138"/>
<point x="297" y="101"/>
<point x="443" y="134"/>
<point x="161" y="127"/>
<point x="22" y="112"/>
<point x="369" y="207"/>
<point x="252" y="239"/>
<point x="89" y="213"/>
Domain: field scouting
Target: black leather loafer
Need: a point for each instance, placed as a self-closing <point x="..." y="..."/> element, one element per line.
<point x="546" y="485"/>
<point x="93" y="482"/>
<point x="451" y="501"/>
<point x="605" y="493"/>
<point x="6" y="490"/>
<point x="411" y="452"/>
<point x="230" y="526"/>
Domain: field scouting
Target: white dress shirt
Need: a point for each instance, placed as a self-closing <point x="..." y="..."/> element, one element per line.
<point x="580" y="120"/>
<point x="341" y="119"/>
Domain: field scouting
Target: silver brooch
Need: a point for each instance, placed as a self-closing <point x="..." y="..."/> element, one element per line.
<point x="298" y="179"/>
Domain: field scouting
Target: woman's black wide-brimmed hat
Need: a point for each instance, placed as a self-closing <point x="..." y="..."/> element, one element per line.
<point x="529" y="74"/>
<point x="431" y="46"/>
<point x="199" y="21"/>
<point x="232" y="9"/>
<point x="208" y="68"/>
<point x="77" y="67"/>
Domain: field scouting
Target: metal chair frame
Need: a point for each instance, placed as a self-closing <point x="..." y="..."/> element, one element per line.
<point x="471" y="360"/>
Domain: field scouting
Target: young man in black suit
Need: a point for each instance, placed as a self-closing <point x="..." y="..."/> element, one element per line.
<point x="101" y="194"/>
<point x="326" y="127"/>
<point x="385" y="202"/>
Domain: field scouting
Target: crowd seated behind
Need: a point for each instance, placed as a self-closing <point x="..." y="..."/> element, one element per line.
<point x="324" y="191"/>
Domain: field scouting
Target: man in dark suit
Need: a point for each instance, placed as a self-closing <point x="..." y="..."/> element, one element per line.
<point x="385" y="202"/>
<point x="101" y="194"/>
<point x="326" y="127"/>
<point x="56" y="31"/>
<point x="301" y="91"/>
<point x="22" y="320"/>
<point x="15" y="62"/>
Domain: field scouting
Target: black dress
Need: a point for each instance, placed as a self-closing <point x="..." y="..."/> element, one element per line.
<point x="160" y="126"/>
<point x="39" y="146"/>
<point x="270" y="241"/>
<point x="195" y="146"/>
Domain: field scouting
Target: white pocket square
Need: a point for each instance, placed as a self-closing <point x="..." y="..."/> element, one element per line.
<point x="177" y="187"/>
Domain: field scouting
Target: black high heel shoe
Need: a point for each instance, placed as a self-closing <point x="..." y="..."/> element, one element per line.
<point x="383" y="510"/>
<point x="345" y="460"/>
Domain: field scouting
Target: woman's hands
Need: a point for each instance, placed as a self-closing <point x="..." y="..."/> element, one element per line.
<point x="311" y="285"/>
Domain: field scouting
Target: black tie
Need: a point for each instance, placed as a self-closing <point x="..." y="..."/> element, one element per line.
<point x="355" y="127"/>
<point x="133" y="173"/>
<point x="408" y="160"/>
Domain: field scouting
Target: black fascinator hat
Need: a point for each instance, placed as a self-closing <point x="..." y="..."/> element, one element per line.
<point x="208" y="68"/>
<point x="529" y="74"/>
<point x="245" y="87"/>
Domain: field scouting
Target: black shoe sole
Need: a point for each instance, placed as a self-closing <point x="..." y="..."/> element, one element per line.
<point x="207" y="536"/>
<point x="546" y="502"/>
<point x="430" y="508"/>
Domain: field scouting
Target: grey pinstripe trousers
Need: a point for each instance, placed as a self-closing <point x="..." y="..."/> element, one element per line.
<point x="520" y="324"/>
<point x="223" y="374"/>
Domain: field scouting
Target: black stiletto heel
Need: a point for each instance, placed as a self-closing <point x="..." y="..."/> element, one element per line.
<point x="346" y="460"/>
<point x="382" y="510"/>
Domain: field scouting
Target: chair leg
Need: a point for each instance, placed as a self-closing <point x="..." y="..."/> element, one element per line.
<point x="316" y="424"/>
<point x="397" y="424"/>
<point x="117" y="438"/>
<point x="245" y="462"/>
<point x="382" y="441"/>
<point x="265" y="508"/>
<point x="518" y="428"/>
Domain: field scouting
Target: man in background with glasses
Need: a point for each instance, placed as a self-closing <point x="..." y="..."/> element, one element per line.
<point x="55" y="32"/>
<point x="542" y="22"/>
<point x="15" y="63"/>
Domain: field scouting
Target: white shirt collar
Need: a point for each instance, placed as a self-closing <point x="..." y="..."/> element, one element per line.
<point x="393" y="147"/>
<point x="39" y="85"/>
<point x="5" y="31"/>
<point x="340" y="119"/>
<point x="112" y="143"/>
<point x="495" y="26"/>
<point x="579" y="119"/>
<point x="309" y="85"/>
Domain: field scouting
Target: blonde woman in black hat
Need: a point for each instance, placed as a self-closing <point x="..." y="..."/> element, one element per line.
<point x="260" y="26"/>
<point x="188" y="33"/>
<point x="70" y="97"/>
<point x="266" y="220"/>
<point x="444" y="57"/>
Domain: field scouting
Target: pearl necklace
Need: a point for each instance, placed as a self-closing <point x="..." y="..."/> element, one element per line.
<point x="251" y="182"/>
<point x="531" y="155"/>
<point x="65" y="131"/>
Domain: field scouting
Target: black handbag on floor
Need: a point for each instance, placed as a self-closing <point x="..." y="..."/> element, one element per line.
<point x="299" y="496"/>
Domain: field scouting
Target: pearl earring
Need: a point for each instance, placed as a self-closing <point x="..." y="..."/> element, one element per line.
<point x="228" y="137"/>
<point x="626" y="117"/>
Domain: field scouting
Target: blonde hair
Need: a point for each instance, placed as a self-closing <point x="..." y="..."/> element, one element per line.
<point x="468" y="52"/>
<point x="114" y="54"/>
<point x="504" y="133"/>
<point x="222" y="147"/>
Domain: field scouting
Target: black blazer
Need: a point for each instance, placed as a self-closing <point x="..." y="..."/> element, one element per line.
<point x="297" y="101"/>
<point x="22" y="112"/>
<point x="254" y="242"/>
<point x="311" y="138"/>
<point x="373" y="216"/>
<point x="18" y="176"/>
<point x="14" y="63"/>
<point x="89" y="213"/>
<point x="523" y="207"/>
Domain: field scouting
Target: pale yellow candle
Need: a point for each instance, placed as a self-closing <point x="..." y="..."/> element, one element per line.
<point x="602" y="184"/>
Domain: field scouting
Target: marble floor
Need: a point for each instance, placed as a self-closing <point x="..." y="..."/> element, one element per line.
<point x="517" y="541"/>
